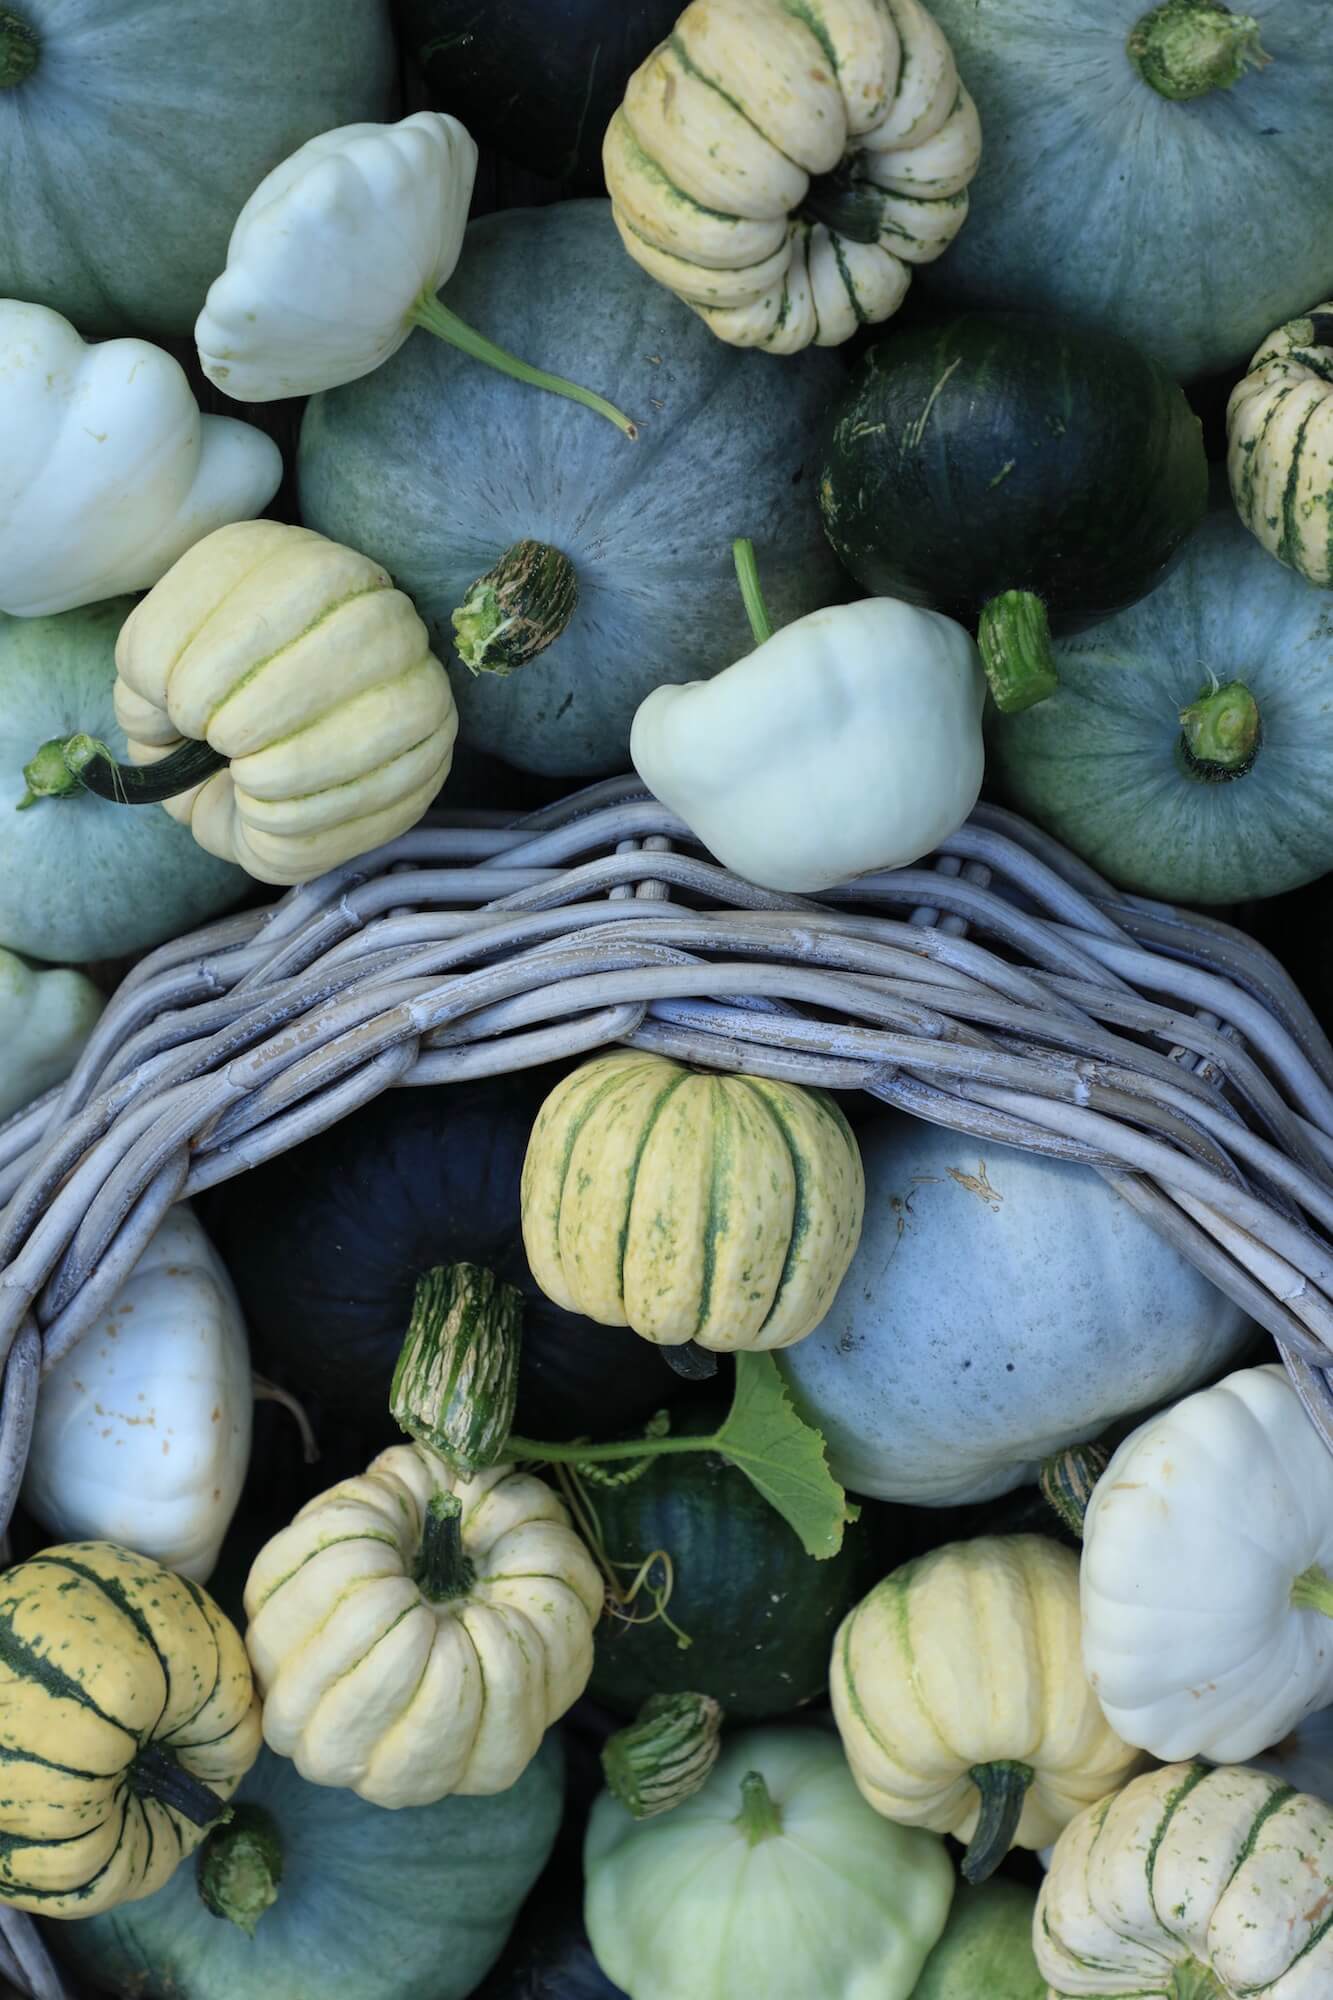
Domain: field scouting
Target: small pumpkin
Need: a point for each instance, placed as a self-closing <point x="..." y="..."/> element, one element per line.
<point x="690" y="1206"/>
<point x="415" y="1633"/>
<point x="986" y="1950"/>
<point x="1280" y="445"/>
<point x="959" y="1690"/>
<point x="45" y="1019"/>
<point x="127" y="1719"/>
<point x="782" y="168"/>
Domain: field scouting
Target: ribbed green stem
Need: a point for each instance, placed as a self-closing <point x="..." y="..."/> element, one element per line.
<point x="759" y="1818"/>
<point x="747" y="576"/>
<point x="68" y="764"/>
<point x="516" y="610"/>
<point x="239" y="1867"/>
<point x="665" y="1755"/>
<point x="456" y="1381"/>
<point x="1313" y="1591"/>
<point x="1014" y="635"/>
<point x="1221" y="733"/>
<point x="442" y="1569"/>
<point x="1186" y="48"/>
<point x="19" y="49"/>
<point x="157" y="1774"/>
<point x="1003" y="1786"/>
<point x="1066" y="1481"/>
<point x="436" y="317"/>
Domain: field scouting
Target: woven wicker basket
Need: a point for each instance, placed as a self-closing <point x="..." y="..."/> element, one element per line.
<point x="1002" y="988"/>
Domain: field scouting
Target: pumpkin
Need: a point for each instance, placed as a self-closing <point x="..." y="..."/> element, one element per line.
<point x="1280" y="445"/>
<point x="1188" y="752"/>
<point x="83" y="883"/>
<point x="1191" y="1884"/>
<point x="691" y="1206"/>
<point x="1165" y="135"/>
<point x="437" y="469"/>
<point x="130" y="134"/>
<point x="1000" y="1306"/>
<point x="415" y="1633"/>
<point x="128" y="1719"/>
<point x="406" y="1906"/>
<point x="958" y="1687"/>
<point x="1206" y="1599"/>
<point x="759" y="1613"/>
<point x="782" y="168"/>
<point x="776" y="1878"/>
<point x="45" y="1019"/>
<point x="287" y="697"/>
<point x="986" y="1950"/>
<point x="1014" y="472"/>
<point x="143" y="1429"/>
<point x="328" y="1242"/>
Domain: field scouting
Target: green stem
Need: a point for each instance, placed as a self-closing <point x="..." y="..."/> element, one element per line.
<point x="1313" y="1591"/>
<point x="436" y="317"/>
<point x="68" y="764"/>
<point x="595" y="1454"/>
<point x="1003" y="1786"/>
<point x="1014" y="635"/>
<point x="665" y="1755"/>
<point x="1186" y="48"/>
<point x="516" y="610"/>
<point x="19" y="49"/>
<point x="1192" y="1981"/>
<point x="157" y="1774"/>
<point x="456" y="1381"/>
<point x="1221" y="733"/>
<point x="239" y="1867"/>
<point x="1066" y="1480"/>
<point x="759" y="1818"/>
<point x="747" y="576"/>
<point x="442" y="1569"/>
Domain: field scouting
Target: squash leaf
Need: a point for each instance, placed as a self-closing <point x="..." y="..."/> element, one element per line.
<point x="783" y="1456"/>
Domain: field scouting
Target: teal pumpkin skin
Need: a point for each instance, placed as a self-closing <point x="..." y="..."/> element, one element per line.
<point x="1000" y="1306"/>
<point x="986" y="1950"/>
<point x="435" y="466"/>
<point x="1099" y="764"/>
<point x="1191" y="228"/>
<point x="84" y="879"/>
<point x="144" y="126"/>
<point x="408" y="1905"/>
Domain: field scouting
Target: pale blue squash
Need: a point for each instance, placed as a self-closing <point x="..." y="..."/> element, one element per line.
<point x="1000" y="1305"/>
<point x="1191" y="228"/>
<point x="1304" y="1757"/>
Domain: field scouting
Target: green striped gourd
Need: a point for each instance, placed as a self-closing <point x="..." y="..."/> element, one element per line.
<point x="1280" y="445"/>
<point x="719" y="1209"/>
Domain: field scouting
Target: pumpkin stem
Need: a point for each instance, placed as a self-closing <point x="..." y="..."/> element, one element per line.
<point x="1014" y="635"/>
<point x="1066" y="1481"/>
<point x="516" y="610"/>
<point x="1313" y="1591"/>
<point x="443" y="1570"/>
<point x="455" y="1384"/>
<point x="157" y="1774"/>
<point x="68" y="764"/>
<point x="1186" y="48"/>
<point x="19" y="50"/>
<point x="1003" y="1786"/>
<point x="1192" y="1981"/>
<point x="759" y="1818"/>
<point x="665" y="1755"/>
<point x="239" y="1867"/>
<point x="747" y="576"/>
<point x="1221" y="733"/>
<point x="851" y="207"/>
<point x="436" y="317"/>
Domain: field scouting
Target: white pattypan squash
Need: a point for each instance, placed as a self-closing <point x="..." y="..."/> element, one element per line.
<point x="109" y="472"/>
<point x="1207" y="1573"/>
<point x="45" y="1019"/>
<point x="1191" y="1884"/>
<point x="849" y="740"/>
<point x="143" y="1429"/>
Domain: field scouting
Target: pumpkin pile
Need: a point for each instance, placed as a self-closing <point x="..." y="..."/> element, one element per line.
<point x="618" y="1529"/>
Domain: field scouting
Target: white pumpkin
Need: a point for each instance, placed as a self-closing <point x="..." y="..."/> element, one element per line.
<point x="45" y="1019"/>
<point x="143" y="1429"/>
<point x="1207" y="1573"/>
<point x="1280" y="445"/>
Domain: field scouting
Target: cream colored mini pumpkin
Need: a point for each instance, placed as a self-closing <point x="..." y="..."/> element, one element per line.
<point x="1280" y="445"/>
<point x="958" y="1687"/>
<point x="781" y="166"/>
<point x="415" y="1633"/>
<point x="298" y="661"/>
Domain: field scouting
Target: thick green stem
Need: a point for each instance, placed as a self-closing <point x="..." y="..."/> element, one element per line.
<point x="665" y="1755"/>
<point x="759" y="1818"/>
<point x="442" y="1569"/>
<point x="594" y="1454"/>
<point x="747" y="576"/>
<point x="239" y="1867"/>
<point x="68" y="764"/>
<point x="1003" y="1786"/>
<point x="19" y="49"/>
<point x="1186" y="48"/>
<point x="1221" y="733"/>
<point x="157" y="1774"/>
<point x="456" y="1382"/>
<point x="516" y="610"/>
<point x="435" y="316"/>
<point x="1014" y="635"/>
<point x="1313" y="1591"/>
<point x="1066" y="1481"/>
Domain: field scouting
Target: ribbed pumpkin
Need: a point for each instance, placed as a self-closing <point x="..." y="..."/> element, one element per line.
<point x="719" y="1209"/>
<point x="1280" y="444"/>
<point x="125" y="1701"/>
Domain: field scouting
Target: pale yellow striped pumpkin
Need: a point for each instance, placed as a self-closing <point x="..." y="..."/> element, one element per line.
<point x="1280" y="445"/>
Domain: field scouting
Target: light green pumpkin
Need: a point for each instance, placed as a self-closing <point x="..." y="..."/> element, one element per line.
<point x="986" y="1951"/>
<point x="132" y="131"/>
<point x="45" y="1019"/>
<point x="84" y="879"/>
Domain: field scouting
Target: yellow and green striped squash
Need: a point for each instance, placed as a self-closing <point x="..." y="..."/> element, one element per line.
<point x="719" y="1209"/>
<point x="122" y="1687"/>
<point x="1280" y="445"/>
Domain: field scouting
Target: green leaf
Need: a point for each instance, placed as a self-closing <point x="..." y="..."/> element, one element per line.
<point x="783" y="1456"/>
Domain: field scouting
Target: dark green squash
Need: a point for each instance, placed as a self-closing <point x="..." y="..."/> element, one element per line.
<point x="760" y="1614"/>
<point x="995" y="453"/>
